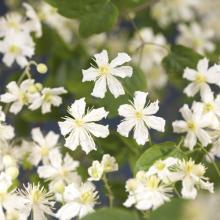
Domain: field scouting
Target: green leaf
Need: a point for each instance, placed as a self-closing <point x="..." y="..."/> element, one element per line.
<point x="77" y="8"/>
<point x="178" y="59"/>
<point x="99" y="21"/>
<point x="112" y="213"/>
<point x="156" y="152"/>
<point x="94" y="16"/>
<point x="129" y="4"/>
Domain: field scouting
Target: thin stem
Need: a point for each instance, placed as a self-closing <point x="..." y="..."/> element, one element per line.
<point x="180" y="142"/>
<point x="213" y="162"/>
<point x="176" y="191"/>
<point x="109" y="191"/>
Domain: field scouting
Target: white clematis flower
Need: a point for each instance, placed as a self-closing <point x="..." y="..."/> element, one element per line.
<point x="80" y="201"/>
<point x="140" y="117"/>
<point x="194" y="125"/>
<point x="18" y="49"/>
<point x="19" y="95"/>
<point x="80" y="126"/>
<point x="43" y="146"/>
<point x="107" y="73"/>
<point x="60" y="171"/>
<point x="48" y="98"/>
<point x="192" y="177"/>
<point x="109" y="163"/>
<point x="201" y="78"/>
<point x="95" y="171"/>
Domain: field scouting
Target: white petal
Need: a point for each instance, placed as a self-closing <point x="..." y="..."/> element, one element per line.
<point x="46" y="171"/>
<point x="87" y="142"/>
<point x="123" y="71"/>
<point x="125" y="127"/>
<point x="99" y="89"/>
<point x="95" y="115"/>
<point x="16" y="107"/>
<point x="155" y="122"/>
<point x="189" y="74"/>
<point x="188" y="191"/>
<point x="120" y="59"/>
<point x="8" y="97"/>
<point x="90" y="74"/>
<point x="126" y="110"/>
<point x="203" y="137"/>
<point x="52" y="139"/>
<point x="55" y="157"/>
<point x="191" y="89"/>
<point x="205" y="89"/>
<point x="37" y="136"/>
<point x="98" y="130"/>
<point x="68" y="211"/>
<point x="73" y="140"/>
<point x="140" y="99"/>
<point x="66" y="126"/>
<point x="207" y="96"/>
<point x="203" y="65"/>
<point x="141" y="133"/>
<point x="190" y="140"/>
<point x="101" y="58"/>
<point x="179" y="126"/>
<point x="115" y="86"/>
<point x="77" y="109"/>
<point x="13" y="88"/>
<point x="152" y="108"/>
<point x="186" y="112"/>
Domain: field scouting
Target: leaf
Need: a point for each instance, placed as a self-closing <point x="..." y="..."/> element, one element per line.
<point x="156" y="152"/>
<point x="94" y="16"/>
<point x="129" y="4"/>
<point x="178" y="59"/>
<point x="112" y="213"/>
<point x="77" y="9"/>
<point x="99" y="21"/>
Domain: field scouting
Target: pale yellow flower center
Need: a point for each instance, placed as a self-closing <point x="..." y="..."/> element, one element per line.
<point x="44" y="151"/>
<point x="2" y="196"/>
<point x="12" y="215"/>
<point x="188" y="167"/>
<point x="95" y="173"/>
<point x="139" y="115"/>
<point x="47" y="97"/>
<point x="200" y="78"/>
<point x="87" y="197"/>
<point x="191" y="125"/>
<point x="79" y="122"/>
<point x="208" y="107"/>
<point x="13" y="25"/>
<point x="36" y="196"/>
<point x="63" y="172"/>
<point x="153" y="182"/>
<point x="160" y="165"/>
<point x="14" y="49"/>
<point x="104" y="70"/>
<point x="23" y="98"/>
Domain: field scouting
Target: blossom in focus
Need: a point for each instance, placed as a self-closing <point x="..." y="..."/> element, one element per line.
<point x="201" y="78"/>
<point x="105" y="74"/>
<point x="79" y="127"/>
<point x="140" y="116"/>
<point x="79" y="201"/>
<point x="194" y="124"/>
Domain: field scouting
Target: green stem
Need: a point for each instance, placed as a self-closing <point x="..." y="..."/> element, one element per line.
<point x="213" y="163"/>
<point x="176" y="191"/>
<point x="109" y="191"/>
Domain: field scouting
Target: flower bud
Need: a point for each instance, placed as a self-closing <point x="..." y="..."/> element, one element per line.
<point x="41" y="68"/>
<point x="12" y="172"/>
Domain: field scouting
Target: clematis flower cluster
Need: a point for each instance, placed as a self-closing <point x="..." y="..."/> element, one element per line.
<point x="152" y="188"/>
<point x="20" y="48"/>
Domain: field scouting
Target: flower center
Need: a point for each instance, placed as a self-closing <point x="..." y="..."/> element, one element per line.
<point x="14" y="49"/>
<point x="36" y="196"/>
<point x="79" y="122"/>
<point x="104" y="70"/>
<point x="87" y="197"/>
<point x="208" y="107"/>
<point x="44" y="151"/>
<point x="160" y="165"/>
<point x="12" y="215"/>
<point x="188" y="167"/>
<point x="95" y="173"/>
<point x="138" y="115"/>
<point x="191" y="125"/>
<point x="47" y="97"/>
<point x="200" y="78"/>
<point x="153" y="182"/>
<point x="23" y="98"/>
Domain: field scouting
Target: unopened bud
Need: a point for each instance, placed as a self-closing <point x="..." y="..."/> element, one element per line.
<point x="41" y="68"/>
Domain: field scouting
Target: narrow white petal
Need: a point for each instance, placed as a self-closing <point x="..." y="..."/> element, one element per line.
<point x="189" y="74"/>
<point x="120" y="59"/>
<point x="179" y="126"/>
<point x="86" y="142"/>
<point x="77" y="109"/>
<point x="186" y="112"/>
<point x="190" y="140"/>
<point x="203" y="137"/>
<point x="95" y="115"/>
<point x="123" y="71"/>
<point x="90" y="74"/>
<point x="141" y="133"/>
<point x="126" y="110"/>
<point x="203" y="65"/>
<point x="66" y="126"/>
<point x="155" y="122"/>
<point x="191" y="89"/>
<point x="98" y="130"/>
<point x="101" y="58"/>
<point x="73" y="140"/>
<point x="125" y="127"/>
<point x="140" y="99"/>
<point x="99" y="89"/>
<point x="152" y="108"/>
<point x="115" y="86"/>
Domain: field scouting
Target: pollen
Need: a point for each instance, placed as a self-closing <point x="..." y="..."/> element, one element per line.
<point x="138" y="115"/>
<point x="44" y="151"/>
<point x="104" y="70"/>
<point x="153" y="182"/>
<point x="14" y="49"/>
<point x="208" y="107"/>
<point x="79" y="122"/>
<point x="87" y="197"/>
<point x="160" y="165"/>
<point x="200" y="78"/>
<point x="191" y="125"/>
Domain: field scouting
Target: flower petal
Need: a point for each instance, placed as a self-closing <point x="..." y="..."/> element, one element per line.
<point x="90" y="74"/>
<point x="101" y="58"/>
<point x="141" y="133"/>
<point x="77" y="109"/>
<point x="95" y="115"/>
<point x="99" y="89"/>
<point x="155" y="122"/>
<point x="120" y="59"/>
<point x="140" y="99"/>
<point x="123" y="71"/>
<point x="98" y="130"/>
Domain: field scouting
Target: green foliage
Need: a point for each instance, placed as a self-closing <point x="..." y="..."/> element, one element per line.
<point x="177" y="60"/>
<point x="112" y="213"/>
<point x="95" y="16"/>
<point x="158" y="152"/>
